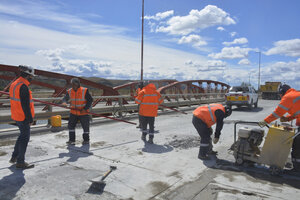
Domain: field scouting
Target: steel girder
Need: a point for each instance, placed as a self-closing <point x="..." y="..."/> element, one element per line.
<point x="58" y="90"/>
<point x="193" y="87"/>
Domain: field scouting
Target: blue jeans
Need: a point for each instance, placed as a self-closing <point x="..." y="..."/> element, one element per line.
<point x="22" y="141"/>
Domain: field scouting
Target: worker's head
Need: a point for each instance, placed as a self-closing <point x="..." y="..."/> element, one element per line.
<point x="228" y="111"/>
<point x="145" y="83"/>
<point x="282" y="89"/>
<point x="141" y="85"/>
<point x="75" y="83"/>
<point x="27" y="72"/>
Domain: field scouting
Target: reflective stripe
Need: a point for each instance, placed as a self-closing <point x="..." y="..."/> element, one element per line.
<point x="161" y="98"/>
<point x="73" y="130"/>
<point x="204" y="145"/>
<point x="295" y="160"/>
<point x="150" y="95"/>
<point x="297" y="99"/>
<point x="210" y="112"/>
<point x="77" y="99"/>
<point x="273" y="113"/>
<point x="283" y="107"/>
<point x="138" y="100"/>
<point x="83" y="90"/>
<point x="86" y="132"/>
<point x="14" y="99"/>
<point x="149" y="103"/>
<point x="14" y="96"/>
<point x="296" y="113"/>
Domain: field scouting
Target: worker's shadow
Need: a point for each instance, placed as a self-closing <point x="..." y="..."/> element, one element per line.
<point x="156" y="148"/>
<point x="12" y="183"/>
<point x="76" y="152"/>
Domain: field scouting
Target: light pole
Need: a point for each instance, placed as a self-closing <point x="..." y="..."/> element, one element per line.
<point x="142" y="42"/>
<point x="258" y="84"/>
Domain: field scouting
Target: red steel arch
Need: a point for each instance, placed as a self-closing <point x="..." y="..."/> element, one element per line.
<point x="58" y="90"/>
<point x="193" y="87"/>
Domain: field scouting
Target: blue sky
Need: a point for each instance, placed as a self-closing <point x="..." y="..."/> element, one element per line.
<point x="183" y="40"/>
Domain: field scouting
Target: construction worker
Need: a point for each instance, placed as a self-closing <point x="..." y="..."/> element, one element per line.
<point x="140" y="87"/>
<point x="149" y="99"/>
<point x="290" y="103"/>
<point x="204" y="117"/>
<point x="22" y="111"/>
<point x="80" y="101"/>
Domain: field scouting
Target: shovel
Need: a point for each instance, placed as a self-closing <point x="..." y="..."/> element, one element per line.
<point x="100" y="184"/>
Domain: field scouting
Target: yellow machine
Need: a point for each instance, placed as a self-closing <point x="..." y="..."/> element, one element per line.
<point x="274" y="151"/>
<point x="270" y="90"/>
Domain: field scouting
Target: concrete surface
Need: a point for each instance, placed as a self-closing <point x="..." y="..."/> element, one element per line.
<point x="168" y="169"/>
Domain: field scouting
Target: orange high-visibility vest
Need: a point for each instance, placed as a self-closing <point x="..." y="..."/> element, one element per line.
<point x="77" y="100"/>
<point x="290" y="103"/>
<point x="17" y="112"/>
<point x="149" y="100"/>
<point x="207" y="113"/>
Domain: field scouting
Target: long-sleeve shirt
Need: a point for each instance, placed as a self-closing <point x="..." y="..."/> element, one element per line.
<point x="25" y="102"/>
<point x="220" y="115"/>
<point x="88" y="97"/>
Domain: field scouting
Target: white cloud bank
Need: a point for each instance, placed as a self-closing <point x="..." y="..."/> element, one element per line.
<point x="286" y="47"/>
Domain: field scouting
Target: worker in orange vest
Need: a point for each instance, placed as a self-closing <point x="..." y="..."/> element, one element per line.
<point x="290" y="103"/>
<point x="149" y="99"/>
<point x="80" y="101"/>
<point x="22" y="111"/>
<point x="204" y="117"/>
<point x="140" y="87"/>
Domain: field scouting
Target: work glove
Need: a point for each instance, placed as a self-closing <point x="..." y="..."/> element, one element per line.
<point x="215" y="140"/>
<point x="283" y="119"/>
<point x="210" y="130"/>
<point x="262" y="123"/>
<point x="83" y="111"/>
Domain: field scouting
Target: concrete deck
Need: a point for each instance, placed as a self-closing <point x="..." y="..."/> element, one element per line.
<point x="168" y="169"/>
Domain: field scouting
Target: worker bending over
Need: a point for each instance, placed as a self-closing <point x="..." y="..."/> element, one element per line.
<point x="149" y="99"/>
<point x="80" y="101"/>
<point x="204" y="117"/>
<point x="290" y="103"/>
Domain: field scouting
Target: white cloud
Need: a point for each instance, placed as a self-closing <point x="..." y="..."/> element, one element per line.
<point x="286" y="47"/>
<point x="220" y="28"/>
<point x="208" y="66"/>
<point x="195" y="40"/>
<point x="236" y="41"/>
<point x="196" y="20"/>
<point x="244" y="61"/>
<point x="160" y="16"/>
<point x="231" y="53"/>
<point x="232" y="34"/>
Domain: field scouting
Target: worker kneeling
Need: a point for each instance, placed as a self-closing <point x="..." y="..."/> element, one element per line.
<point x="204" y="118"/>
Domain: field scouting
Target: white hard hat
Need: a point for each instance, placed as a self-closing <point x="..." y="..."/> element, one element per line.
<point x="27" y="69"/>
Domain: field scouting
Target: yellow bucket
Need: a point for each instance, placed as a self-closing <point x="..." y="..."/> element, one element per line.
<point x="56" y="121"/>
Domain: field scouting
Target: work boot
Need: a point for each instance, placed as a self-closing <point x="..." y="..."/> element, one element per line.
<point x="204" y="157"/>
<point x="144" y="136"/>
<point x="212" y="152"/>
<point x="24" y="165"/>
<point x="139" y="126"/>
<point x="70" y="142"/>
<point x="150" y="141"/>
<point x="13" y="160"/>
<point x="85" y="142"/>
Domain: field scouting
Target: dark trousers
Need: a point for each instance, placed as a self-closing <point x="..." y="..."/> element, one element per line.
<point x="145" y="121"/>
<point x="85" y="123"/>
<point x="296" y="152"/>
<point x="204" y="133"/>
<point x="22" y="141"/>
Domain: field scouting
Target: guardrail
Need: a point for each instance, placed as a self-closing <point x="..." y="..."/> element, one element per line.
<point x="117" y="109"/>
